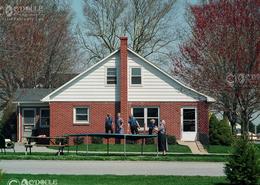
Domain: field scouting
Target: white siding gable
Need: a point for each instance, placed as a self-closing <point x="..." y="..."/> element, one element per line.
<point x="91" y="86"/>
<point x="156" y="86"/>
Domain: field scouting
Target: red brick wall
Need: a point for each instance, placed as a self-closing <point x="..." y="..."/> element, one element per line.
<point x="62" y="116"/>
<point x="203" y="117"/>
<point x="171" y="113"/>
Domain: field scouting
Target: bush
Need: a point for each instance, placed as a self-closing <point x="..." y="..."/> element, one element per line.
<point x="97" y="140"/>
<point x="1" y="176"/>
<point x="149" y="141"/>
<point x="63" y="141"/>
<point x="219" y="132"/>
<point x="171" y="140"/>
<point x="8" y="122"/>
<point x="78" y="140"/>
<point x="242" y="166"/>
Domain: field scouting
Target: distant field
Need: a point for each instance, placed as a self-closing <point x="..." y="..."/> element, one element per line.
<point x="119" y="180"/>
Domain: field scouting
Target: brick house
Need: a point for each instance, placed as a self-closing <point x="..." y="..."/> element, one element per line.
<point x="122" y="82"/>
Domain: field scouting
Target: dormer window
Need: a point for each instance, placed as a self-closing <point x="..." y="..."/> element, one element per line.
<point x="111" y="76"/>
<point x="136" y="76"/>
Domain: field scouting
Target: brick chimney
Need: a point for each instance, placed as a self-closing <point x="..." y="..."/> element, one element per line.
<point x="123" y="80"/>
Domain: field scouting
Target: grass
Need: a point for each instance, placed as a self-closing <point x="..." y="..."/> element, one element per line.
<point x="115" y="180"/>
<point x="227" y="149"/>
<point x="100" y="156"/>
<point x="219" y="149"/>
<point x="129" y="148"/>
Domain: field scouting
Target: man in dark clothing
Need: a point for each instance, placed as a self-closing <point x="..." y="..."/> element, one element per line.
<point x="151" y="126"/>
<point x="108" y="124"/>
<point x="134" y="125"/>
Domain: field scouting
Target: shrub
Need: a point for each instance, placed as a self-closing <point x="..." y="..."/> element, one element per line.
<point x="8" y="122"/>
<point x="171" y="140"/>
<point x="219" y="132"/>
<point x="242" y="166"/>
<point x="1" y="176"/>
<point x="97" y="140"/>
<point x="62" y="141"/>
<point x="149" y="141"/>
<point x="78" y="140"/>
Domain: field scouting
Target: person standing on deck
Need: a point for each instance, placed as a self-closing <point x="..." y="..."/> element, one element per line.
<point x="109" y="123"/>
<point x="151" y="126"/>
<point x="162" y="140"/>
<point x="133" y="124"/>
<point x="119" y="124"/>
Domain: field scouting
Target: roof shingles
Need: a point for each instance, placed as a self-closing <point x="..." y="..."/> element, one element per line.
<point x="31" y="95"/>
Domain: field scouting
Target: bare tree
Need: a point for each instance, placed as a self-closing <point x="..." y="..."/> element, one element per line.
<point x="33" y="51"/>
<point x="221" y="57"/>
<point x="145" y="22"/>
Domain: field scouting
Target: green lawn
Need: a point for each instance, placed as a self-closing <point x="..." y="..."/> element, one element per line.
<point x="116" y="180"/>
<point x="227" y="149"/>
<point x="129" y="148"/>
<point x="219" y="149"/>
<point x="104" y="156"/>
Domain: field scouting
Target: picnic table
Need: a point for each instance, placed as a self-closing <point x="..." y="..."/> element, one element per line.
<point x="117" y="136"/>
<point x="59" y="142"/>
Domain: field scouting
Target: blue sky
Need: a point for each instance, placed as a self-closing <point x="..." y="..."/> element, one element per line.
<point x="77" y="6"/>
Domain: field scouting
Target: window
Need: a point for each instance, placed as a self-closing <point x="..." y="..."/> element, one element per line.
<point x="81" y="115"/>
<point x="44" y="117"/>
<point x="152" y="113"/>
<point x="145" y="114"/>
<point x="111" y="76"/>
<point x="138" y="113"/>
<point x="28" y="116"/>
<point x="189" y="120"/>
<point x="136" y="76"/>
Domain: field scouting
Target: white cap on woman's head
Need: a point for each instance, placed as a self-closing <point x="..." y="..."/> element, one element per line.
<point x="163" y="122"/>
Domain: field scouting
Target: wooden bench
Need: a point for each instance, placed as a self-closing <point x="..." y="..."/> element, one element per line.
<point x="60" y="143"/>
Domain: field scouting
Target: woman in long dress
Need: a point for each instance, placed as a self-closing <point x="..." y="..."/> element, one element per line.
<point x="162" y="140"/>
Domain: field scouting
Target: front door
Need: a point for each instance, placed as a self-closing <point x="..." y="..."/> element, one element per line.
<point x="189" y="124"/>
<point x="28" y="121"/>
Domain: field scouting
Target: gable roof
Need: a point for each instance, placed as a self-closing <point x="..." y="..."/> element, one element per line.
<point x="203" y="96"/>
<point x="31" y="95"/>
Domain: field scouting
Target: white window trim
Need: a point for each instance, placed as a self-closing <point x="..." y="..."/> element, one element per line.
<point x="34" y="110"/>
<point x="136" y="85"/>
<point x="106" y="77"/>
<point x="74" y="116"/>
<point x="41" y="125"/>
<point x="145" y="128"/>
<point x="196" y="118"/>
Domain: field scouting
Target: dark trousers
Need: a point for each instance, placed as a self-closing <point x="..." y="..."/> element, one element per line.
<point x="162" y="142"/>
<point x="134" y="130"/>
<point x="150" y="131"/>
<point x="109" y="128"/>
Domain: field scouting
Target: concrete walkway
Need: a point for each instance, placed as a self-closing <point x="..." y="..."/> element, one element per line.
<point x="195" y="147"/>
<point x="19" y="147"/>
<point x="112" y="167"/>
